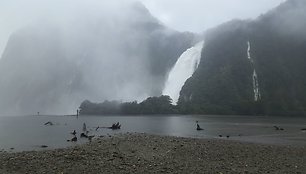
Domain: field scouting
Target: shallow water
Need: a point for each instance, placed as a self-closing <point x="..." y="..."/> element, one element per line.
<point x="29" y="132"/>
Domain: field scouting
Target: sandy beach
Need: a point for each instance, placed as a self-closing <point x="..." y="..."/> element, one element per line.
<point x="143" y="153"/>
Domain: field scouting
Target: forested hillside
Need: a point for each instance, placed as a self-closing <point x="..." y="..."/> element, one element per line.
<point x="224" y="83"/>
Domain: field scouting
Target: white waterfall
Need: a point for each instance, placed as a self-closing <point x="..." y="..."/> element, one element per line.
<point x="248" y="52"/>
<point x="254" y="76"/>
<point x="183" y="69"/>
<point x="255" y="86"/>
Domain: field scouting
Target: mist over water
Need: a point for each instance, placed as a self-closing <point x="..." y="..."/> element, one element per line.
<point x="98" y="51"/>
<point x="183" y="69"/>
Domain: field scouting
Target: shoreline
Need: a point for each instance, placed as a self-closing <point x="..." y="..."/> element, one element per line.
<point x="145" y="153"/>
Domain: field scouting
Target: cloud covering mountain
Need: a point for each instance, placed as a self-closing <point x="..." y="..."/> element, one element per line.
<point x="113" y="51"/>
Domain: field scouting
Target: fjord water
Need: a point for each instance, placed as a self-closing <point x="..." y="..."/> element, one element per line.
<point x="29" y="132"/>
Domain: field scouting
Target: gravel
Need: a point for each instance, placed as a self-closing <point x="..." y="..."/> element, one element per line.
<point x="143" y="153"/>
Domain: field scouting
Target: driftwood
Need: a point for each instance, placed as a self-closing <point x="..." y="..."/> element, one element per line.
<point x="113" y="127"/>
<point x="74" y="139"/>
<point x="278" y="128"/>
<point x="83" y="135"/>
<point x="49" y="123"/>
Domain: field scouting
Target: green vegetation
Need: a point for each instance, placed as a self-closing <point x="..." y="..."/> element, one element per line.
<point x="150" y="106"/>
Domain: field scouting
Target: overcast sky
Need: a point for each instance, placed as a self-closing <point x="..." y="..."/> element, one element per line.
<point x="182" y="15"/>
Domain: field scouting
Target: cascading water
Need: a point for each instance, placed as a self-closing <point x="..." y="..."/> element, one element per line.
<point x="254" y="76"/>
<point x="255" y="86"/>
<point x="183" y="69"/>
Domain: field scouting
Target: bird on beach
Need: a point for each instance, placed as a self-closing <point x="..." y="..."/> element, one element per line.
<point x="198" y="126"/>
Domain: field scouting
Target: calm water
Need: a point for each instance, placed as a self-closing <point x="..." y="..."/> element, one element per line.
<point x="29" y="132"/>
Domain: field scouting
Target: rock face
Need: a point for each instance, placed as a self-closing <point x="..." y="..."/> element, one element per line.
<point x="252" y="67"/>
<point x="52" y="67"/>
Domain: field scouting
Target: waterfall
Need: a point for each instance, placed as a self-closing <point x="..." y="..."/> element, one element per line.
<point x="255" y="86"/>
<point x="183" y="69"/>
<point x="254" y="76"/>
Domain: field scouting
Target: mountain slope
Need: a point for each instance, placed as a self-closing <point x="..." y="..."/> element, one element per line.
<point x="225" y="83"/>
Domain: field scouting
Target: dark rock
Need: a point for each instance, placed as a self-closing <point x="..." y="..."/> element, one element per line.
<point x="83" y="135"/>
<point x="74" y="139"/>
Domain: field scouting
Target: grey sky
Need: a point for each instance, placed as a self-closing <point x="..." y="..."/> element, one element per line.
<point x="182" y="15"/>
<point x="198" y="15"/>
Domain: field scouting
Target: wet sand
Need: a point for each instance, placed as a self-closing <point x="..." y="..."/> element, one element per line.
<point x="143" y="153"/>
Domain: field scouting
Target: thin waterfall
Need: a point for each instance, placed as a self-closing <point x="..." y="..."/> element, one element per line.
<point x="257" y="95"/>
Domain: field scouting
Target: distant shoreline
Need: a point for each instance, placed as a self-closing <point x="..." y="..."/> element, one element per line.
<point x="143" y="153"/>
